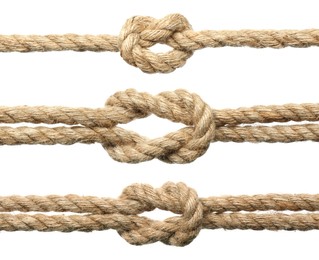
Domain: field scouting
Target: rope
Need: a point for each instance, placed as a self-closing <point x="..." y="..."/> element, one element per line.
<point x="203" y="125"/>
<point x="123" y="214"/>
<point x="139" y="33"/>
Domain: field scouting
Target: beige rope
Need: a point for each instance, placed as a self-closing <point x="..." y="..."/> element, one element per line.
<point x="204" y="125"/>
<point x="122" y="214"/>
<point x="140" y="33"/>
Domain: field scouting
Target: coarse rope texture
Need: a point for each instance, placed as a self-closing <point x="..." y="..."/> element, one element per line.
<point x="139" y="33"/>
<point x="123" y="214"/>
<point x="203" y="125"/>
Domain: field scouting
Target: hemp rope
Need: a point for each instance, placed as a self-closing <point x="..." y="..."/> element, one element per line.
<point x="204" y="125"/>
<point x="139" y="33"/>
<point x="122" y="214"/>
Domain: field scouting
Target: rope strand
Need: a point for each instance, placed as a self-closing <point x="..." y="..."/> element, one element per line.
<point x="203" y="125"/>
<point x="122" y="214"/>
<point x="95" y="205"/>
<point x="117" y="135"/>
<point x="140" y="33"/>
<point x="105" y="117"/>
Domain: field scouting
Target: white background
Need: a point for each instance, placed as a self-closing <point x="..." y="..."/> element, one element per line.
<point x="223" y="77"/>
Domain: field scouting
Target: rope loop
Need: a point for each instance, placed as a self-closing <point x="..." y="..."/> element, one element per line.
<point x="182" y="146"/>
<point x="139" y="33"/>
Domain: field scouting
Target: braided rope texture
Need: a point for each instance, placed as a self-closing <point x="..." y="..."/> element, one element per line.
<point x="139" y="33"/>
<point x="203" y="125"/>
<point x="194" y="214"/>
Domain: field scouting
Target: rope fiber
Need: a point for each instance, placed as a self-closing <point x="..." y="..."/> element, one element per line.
<point x="139" y="33"/>
<point x="194" y="214"/>
<point x="203" y="125"/>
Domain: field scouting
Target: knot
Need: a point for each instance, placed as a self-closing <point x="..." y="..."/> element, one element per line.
<point x="141" y="32"/>
<point x="182" y="146"/>
<point x="177" y="198"/>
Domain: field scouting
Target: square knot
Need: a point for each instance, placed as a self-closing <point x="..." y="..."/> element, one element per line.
<point x="177" y="198"/>
<point x="182" y="146"/>
<point x="139" y="33"/>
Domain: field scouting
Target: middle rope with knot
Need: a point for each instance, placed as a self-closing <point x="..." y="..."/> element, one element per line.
<point x="203" y="125"/>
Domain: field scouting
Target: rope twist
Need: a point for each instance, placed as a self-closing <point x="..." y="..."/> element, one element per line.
<point x="177" y="198"/>
<point x="184" y="145"/>
<point x="142" y="32"/>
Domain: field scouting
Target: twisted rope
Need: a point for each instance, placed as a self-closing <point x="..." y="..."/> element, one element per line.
<point x="139" y="33"/>
<point x="203" y="125"/>
<point x="122" y="214"/>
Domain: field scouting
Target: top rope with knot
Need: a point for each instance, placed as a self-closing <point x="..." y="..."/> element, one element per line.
<point x="194" y="213"/>
<point x="141" y="32"/>
<point x="203" y="125"/>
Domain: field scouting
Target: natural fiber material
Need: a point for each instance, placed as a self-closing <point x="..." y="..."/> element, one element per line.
<point x="140" y="33"/>
<point x="204" y="125"/>
<point x="122" y="214"/>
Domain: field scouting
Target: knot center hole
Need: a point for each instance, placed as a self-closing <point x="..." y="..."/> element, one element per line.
<point x="153" y="126"/>
<point x="158" y="214"/>
<point x="160" y="48"/>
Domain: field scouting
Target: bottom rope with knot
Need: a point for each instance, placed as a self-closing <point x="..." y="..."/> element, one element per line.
<point x="203" y="125"/>
<point x="123" y="214"/>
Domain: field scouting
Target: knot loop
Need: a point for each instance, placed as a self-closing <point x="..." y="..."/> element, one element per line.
<point x="177" y="198"/>
<point x="182" y="146"/>
<point x="141" y="32"/>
